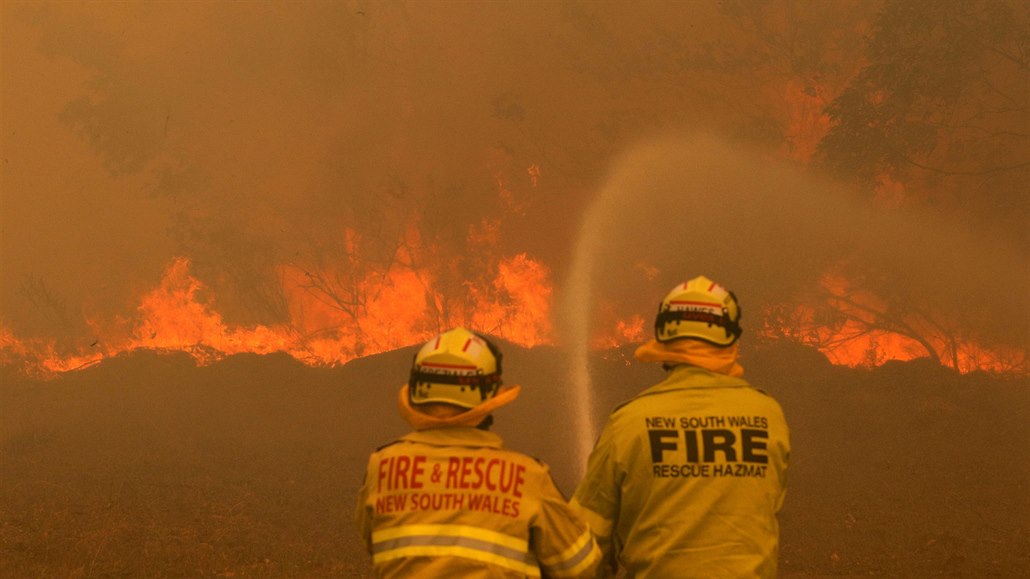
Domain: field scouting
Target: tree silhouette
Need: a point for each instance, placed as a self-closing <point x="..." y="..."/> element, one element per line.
<point x="942" y="108"/>
<point x="939" y="111"/>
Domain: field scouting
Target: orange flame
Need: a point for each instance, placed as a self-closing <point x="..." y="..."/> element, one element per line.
<point x="806" y="121"/>
<point x="355" y="308"/>
<point x="624" y="331"/>
<point x="399" y="307"/>
<point x="391" y="308"/>
<point x="856" y="337"/>
<point x="173" y="316"/>
<point x="39" y="357"/>
<point x="613" y="329"/>
<point x="351" y="308"/>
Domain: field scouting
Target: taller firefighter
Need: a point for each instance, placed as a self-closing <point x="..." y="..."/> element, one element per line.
<point x="448" y="500"/>
<point x="687" y="478"/>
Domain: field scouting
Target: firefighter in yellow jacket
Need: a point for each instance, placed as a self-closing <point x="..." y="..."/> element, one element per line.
<point x="448" y="500"/>
<point x="686" y="478"/>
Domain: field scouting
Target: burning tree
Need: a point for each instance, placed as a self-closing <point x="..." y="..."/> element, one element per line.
<point x="938" y="117"/>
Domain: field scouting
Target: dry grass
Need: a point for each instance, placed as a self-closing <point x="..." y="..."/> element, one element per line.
<point x="149" y="467"/>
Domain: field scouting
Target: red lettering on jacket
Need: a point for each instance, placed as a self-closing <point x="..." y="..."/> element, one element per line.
<point x="401" y="472"/>
<point x="477" y="472"/>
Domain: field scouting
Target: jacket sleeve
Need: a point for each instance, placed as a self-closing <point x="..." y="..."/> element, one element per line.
<point x="597" y="500"/>
<point x="561" y="541"/>
<point x="362" y="514"/>
<point x="782" y="454"/>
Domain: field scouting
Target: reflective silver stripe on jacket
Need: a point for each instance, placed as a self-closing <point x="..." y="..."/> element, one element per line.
<point x="571" y="561"/>
<point x="455" y="541"/>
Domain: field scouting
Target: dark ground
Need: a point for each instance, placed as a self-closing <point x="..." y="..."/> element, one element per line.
<point x="148" y="466"/>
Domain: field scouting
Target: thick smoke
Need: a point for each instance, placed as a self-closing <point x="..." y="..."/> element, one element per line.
<point x="677" y="207"/>
<point x="248" y="136"/>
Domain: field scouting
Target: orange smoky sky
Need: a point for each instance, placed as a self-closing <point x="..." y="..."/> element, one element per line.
<point x="249" y="136"/>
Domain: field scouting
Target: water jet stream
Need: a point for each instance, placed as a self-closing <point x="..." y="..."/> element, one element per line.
<point x="685" y="205"/>
<point x="579" y="305"/>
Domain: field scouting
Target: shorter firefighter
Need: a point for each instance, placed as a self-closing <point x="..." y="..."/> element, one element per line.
<point x="448" y="500"/>
<point x="687" y="478"/>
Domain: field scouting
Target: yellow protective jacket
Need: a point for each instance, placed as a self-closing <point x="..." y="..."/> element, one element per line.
<point x="453" y="502"/>
<point x="686" y="480"/>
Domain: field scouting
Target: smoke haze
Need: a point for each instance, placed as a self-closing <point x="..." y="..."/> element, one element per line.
<point x="247" y="136"/>
<point x="599" y="151"/>
<point x="677" y="207"/>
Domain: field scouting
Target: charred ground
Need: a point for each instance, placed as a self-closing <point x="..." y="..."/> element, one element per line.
<point x="147" y="465"/>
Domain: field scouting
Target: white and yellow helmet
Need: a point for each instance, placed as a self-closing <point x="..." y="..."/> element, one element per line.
<point x="699" y="309"/>
<point x="457" y="367"/>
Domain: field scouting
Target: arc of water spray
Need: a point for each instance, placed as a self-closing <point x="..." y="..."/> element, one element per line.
<point x="785" y="211"/>
<point x="578" y="306"/>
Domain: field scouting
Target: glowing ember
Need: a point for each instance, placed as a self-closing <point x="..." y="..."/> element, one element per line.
<point x="534" y="174"/>
<point x="627" y="331"/>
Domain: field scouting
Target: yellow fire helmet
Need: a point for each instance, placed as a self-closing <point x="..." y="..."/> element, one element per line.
<point x="699" y="309"/>
<point x="457" y="367"/>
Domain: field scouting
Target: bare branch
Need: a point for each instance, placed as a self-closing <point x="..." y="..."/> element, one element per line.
<point x="40" y="295"/>
<point x="882" y="321"/>
<point x="985" y="79"/>
<point x="1020" y="62"/>
<point x="998" y="169"/>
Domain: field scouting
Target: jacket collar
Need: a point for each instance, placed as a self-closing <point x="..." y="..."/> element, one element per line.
<point x="687" y="377"/>
<point x="455" y="436"/>
<point x="694" y="352"/>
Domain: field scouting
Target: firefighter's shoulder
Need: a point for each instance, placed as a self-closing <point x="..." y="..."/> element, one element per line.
<point x="624" y="405"/>
<point x="517" y="453"/>
<point x="763" y="392"/>
<point x="387" y="445"/>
